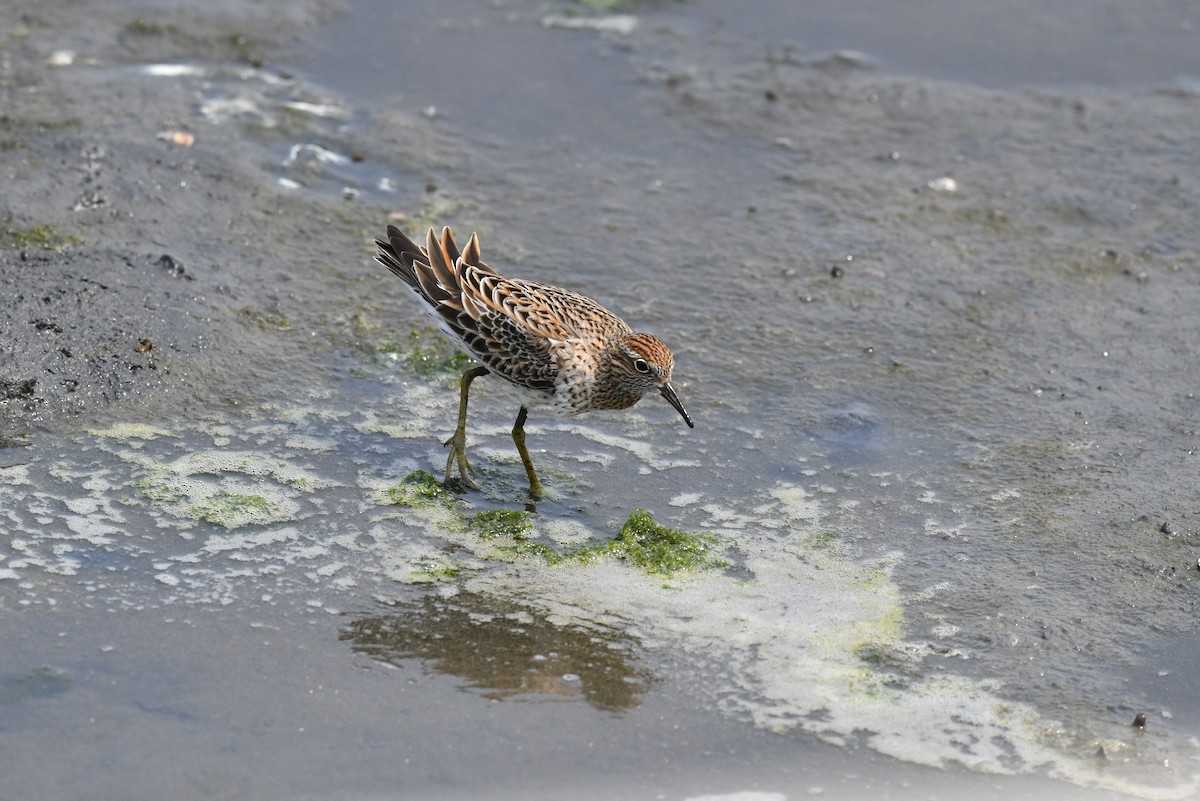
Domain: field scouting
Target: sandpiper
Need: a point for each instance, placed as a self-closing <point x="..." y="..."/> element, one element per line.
<point x="563" y="349"/>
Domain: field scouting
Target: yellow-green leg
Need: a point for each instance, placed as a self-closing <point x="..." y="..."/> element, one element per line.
<point x="535" y="486"/>
<point x="458" y="442"/>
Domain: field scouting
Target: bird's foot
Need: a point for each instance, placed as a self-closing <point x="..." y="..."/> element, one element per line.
<point x="458" y="457"/>
<point x="536" y="491"/>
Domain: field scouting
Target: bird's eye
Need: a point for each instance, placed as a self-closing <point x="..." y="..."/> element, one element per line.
<point x="641" y="366"/>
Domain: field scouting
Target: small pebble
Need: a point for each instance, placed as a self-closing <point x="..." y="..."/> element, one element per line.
<point x="182" y="138"/>
<point x="945" y="184"/>
<point x="171" y="264"/>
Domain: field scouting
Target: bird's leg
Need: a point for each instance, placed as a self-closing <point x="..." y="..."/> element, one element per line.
<point x="535" y="486"/>
<point x="458" y="442"/>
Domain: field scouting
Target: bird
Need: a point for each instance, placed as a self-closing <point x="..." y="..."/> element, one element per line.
<point x="562" y="349"/>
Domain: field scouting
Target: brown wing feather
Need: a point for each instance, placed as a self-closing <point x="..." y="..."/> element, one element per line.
<point x="546" y="311"/>
<point x="508" y="349"/>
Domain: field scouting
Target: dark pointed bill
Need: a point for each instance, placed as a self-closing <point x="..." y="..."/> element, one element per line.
<point x="668" y="392"/>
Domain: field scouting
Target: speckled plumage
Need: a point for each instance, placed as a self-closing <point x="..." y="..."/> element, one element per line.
<point x="562" y="348"/>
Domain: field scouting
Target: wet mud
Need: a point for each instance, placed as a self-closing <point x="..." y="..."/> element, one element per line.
<point x="936" y="327"/>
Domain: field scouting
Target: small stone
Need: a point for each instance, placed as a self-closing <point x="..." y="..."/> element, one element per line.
<point x="944" y="184"/>
<point x="1139" y="721"/>
<point x="182" y="138"/>
<point x="171" y="264"/>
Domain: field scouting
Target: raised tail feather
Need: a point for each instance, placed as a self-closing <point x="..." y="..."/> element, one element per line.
<point x="398" y="255"/>
<point x="432" y="270"/>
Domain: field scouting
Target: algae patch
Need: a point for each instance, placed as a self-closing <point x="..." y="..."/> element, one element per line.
<point x="44" y="237"/>
<point x="500" y="523"/>
<point x="229" y="488"/>
<point x="268" y="319"/>
<point x="513" y="529"/>
<point x="42" y="682"/>
<point x="419" y="490"/>
<point x="510" y="534"/>
<point x="429" y="358"/>
<point x="656" y="549"/>
<point x="423" y="352"/>
<point x="233" y="509"/>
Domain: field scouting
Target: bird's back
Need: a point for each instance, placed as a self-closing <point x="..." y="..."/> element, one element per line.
<point x="524" y="331"/>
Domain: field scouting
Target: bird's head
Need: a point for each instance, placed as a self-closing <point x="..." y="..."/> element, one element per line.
<point x="641" y="363"/>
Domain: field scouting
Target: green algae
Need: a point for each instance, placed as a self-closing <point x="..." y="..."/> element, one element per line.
<point x="42" y="682"/>
<point x="422" y="351"/>
<point x="510" y="534"/>
<point x="656" y="549"/>
<point x="17" y="134"/>
<point x="158" y="492"/>
<point x="826" y="537"/>
<point x="234" y="509"/>
<point x="445" y="571"/>
<point x="513" y="531"/>
<point x="268" y="319"/>
<point x="418" y="490"/>
<point x="495" y="523"/>
<point x="44" y="237"/>
<point x="427" y="356"/>
<point x="437" y="358"/>
<point x="145" y="27"/>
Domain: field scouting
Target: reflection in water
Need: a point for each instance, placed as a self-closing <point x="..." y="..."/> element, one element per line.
<point x="504" y="649"/>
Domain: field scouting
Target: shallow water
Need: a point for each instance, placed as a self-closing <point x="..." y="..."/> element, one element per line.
<point x="945" y="434"/>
